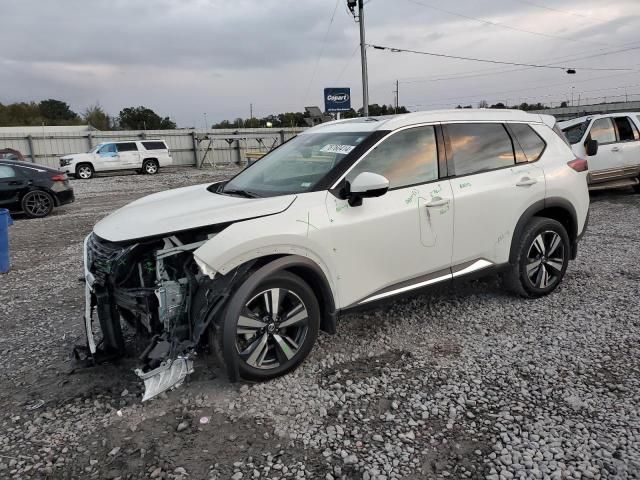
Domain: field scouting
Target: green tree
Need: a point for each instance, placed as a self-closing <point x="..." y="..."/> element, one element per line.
<point x="97" y="117"/>
<point x="57" y="112"/>
<point x="143" y="118"/>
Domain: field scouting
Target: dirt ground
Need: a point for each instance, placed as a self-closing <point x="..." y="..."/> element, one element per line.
<point x="469" y="383"/>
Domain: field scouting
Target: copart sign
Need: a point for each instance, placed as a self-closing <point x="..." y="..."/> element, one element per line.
<point x="337" y="99"/>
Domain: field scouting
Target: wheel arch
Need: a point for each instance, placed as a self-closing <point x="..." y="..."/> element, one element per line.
<point x="311" y="273"/>
<point x="81" y="163"/>
<point x="555" y="208"/>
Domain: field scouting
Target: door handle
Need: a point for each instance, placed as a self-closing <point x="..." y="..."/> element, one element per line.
<point x="526" y="182"/>
<point x="437" y="202"/>
<point x="615" y="149"/>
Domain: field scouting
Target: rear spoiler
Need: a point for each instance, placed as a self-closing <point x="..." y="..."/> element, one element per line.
<point x="548" y="120"/>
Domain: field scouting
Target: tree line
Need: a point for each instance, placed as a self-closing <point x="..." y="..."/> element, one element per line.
<point x="57" y="112"/>
<point x="297" y="119"/>
<point x="523" y="106"/>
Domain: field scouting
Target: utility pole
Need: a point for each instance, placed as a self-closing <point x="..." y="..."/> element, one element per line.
<point x="363" y="53"/>
<point x="397" y="94"/>
<point x="250" y="115"/>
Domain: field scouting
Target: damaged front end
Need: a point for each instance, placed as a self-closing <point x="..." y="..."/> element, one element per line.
<point x="154" y="286"/>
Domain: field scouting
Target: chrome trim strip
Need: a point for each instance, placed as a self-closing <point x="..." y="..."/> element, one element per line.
<point x="477" y="265"/>
<point x="406" y="289"/>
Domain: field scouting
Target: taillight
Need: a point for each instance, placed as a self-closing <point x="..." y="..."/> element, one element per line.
<point x="579" y="165"/>
<point x="60" y="177"/>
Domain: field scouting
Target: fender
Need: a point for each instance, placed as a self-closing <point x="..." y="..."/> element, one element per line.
<point x="293" y="263"/>
<point x="539" y="206"/>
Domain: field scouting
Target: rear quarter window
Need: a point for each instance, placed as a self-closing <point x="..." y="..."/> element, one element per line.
<point x="531" y="143"/>
<point x="154" y="145"/>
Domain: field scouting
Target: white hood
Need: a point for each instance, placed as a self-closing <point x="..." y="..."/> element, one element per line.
<point x="79" y="157"/>
<point x="183" y="209"/>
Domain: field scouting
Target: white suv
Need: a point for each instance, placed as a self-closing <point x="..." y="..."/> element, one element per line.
<point x="612" y="144"/>
<point x="342" y="216"/>
<point x="145" y="156"/>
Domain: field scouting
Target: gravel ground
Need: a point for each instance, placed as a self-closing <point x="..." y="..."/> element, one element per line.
<point x="465" y="383"/>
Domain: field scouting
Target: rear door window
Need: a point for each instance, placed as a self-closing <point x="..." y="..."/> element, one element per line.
<point x="530" y="142"/>
<point x="602" y="130"/>
<point x="127" y="147"/>
<point x="627" y="131"/>
<point x="478" y="147"/>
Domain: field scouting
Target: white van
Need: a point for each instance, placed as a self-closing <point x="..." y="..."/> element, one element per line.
<point x="145" y="156"/>
<point x="611" y="143"/>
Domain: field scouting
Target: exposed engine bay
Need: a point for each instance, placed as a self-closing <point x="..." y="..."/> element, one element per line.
<point x="156" y="288"/>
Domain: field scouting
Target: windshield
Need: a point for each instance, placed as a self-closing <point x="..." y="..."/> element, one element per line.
<point x="574" y="133"/>
<point x="95" y="149"/>
<point x="297" y="166"/>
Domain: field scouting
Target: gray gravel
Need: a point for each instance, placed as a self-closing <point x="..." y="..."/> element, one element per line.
<point x="466" y="383"/>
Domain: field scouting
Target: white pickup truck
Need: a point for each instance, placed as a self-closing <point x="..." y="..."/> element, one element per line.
<point x="144" y="156"/>
<point x="611" y="144"/>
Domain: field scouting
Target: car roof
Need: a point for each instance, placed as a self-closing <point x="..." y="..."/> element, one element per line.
<point x="393" y="122"/>
<point x="131" y="141"/>
<point x="586" y="118"/>
<point x="28" y="165"/>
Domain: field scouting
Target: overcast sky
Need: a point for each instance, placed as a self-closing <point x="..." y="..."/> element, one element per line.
<point x="185" y="58"/>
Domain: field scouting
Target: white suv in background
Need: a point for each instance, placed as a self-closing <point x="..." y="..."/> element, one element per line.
<point x="144" y="156"/>
<point x="611" y="142"/>
<point x="346" y="214"/>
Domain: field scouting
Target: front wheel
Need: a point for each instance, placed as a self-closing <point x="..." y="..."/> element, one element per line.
<point x="150" y="167"/>
<point x="543" y="252"/>
<point x="84" y="171"/>
<point x="274" y="326"/>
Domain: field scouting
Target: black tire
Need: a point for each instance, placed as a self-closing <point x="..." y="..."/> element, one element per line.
<point x="84" y="171"/>
<point x="150" y="167"/>
<point x="539" y="267"/>
<point x="37" y="204"/>
<point x="278" y="354"/>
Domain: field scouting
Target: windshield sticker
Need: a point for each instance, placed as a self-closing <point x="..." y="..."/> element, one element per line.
<point x="305" y="184"/>
<point x="342" y="149"/>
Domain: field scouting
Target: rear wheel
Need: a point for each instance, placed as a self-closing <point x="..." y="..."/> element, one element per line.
<point x="37" y="204"/>
<point x="84" y="171"/>
<point x="275" y="326"/>
<point x="543" y="253"/>
<point x="150" y="167"/>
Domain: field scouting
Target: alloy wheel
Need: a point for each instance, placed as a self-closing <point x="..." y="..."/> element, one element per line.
<point x="545" y="259"/>
<point x="38" y="204"/>
<point x="271" y="328"/>
<point x="84" y="172"/>
<point x="151" y="168"/>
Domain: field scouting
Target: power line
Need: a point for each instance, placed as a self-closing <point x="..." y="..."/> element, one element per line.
<point x="324" y="43"/>
<point x="558" y="10"/>
<point x="347" y="63"/>
<point x="473" y="59"/>
<point x="500" y="24"/>
<point x="489" y="94"/>
<point x="495" y="72"/>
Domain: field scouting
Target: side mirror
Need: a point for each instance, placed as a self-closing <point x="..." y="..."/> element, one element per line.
<point x="366" y="185"/>
<point x="591" y="147"/>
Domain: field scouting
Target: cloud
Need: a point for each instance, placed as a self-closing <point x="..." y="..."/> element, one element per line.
<point x="184" y="58"/>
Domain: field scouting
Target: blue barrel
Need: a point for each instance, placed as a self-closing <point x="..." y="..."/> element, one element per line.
<point x="5" y="221"/>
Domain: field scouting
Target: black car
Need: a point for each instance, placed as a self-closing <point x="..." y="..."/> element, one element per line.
<point x="32" y="189"/>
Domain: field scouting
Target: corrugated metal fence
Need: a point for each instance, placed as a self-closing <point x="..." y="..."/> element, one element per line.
<point x="188" y="147"/>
